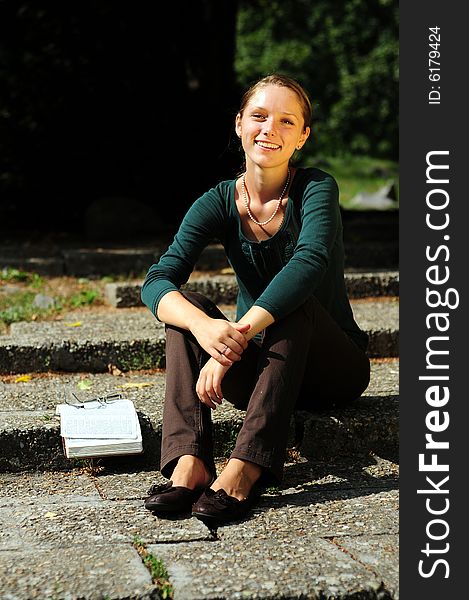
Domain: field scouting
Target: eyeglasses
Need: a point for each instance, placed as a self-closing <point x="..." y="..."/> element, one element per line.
<point x="102" y="400"/>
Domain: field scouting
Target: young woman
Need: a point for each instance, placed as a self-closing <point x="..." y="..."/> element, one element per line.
<point x="294" y="344"/>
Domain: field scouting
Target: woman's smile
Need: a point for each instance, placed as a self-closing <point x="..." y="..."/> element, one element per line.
<point x="269" y="146"/>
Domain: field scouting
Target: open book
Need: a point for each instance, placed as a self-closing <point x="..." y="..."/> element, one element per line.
<point x="95" y="428"/>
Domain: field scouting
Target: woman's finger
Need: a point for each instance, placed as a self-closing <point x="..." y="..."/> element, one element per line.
<point x="239" y="336"/>
<point x="220" y="357"/>
<point x="204" y="398"/>
<point x="231" y="349"/>
<point x="209" y="391"/>
<point x="217" y="389"/>
<point x="201" y="390"/>
<point x="228" y="353"/>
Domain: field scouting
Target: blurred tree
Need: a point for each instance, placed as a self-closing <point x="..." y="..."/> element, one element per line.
<point x="113" y="98"/>
<point x="346" y="55"/>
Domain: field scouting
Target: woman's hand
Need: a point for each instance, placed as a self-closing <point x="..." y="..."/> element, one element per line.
<point x="223" y="340"/>
<point x="208" y="385"/>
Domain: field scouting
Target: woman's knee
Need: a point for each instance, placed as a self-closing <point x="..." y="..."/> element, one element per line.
<point x="343" y="391"/>
<point x="297" y="325"/>
<point x="195" y="298"/>
<point x="203" y="303"/>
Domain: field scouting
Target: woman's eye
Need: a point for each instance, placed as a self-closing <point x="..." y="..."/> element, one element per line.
<point x="288" y="122"/>
<point x="258" y="116"/>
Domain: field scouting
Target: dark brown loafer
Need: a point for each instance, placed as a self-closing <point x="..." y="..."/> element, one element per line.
<point x="171" y="499"/>
<point x="216" y="508"/>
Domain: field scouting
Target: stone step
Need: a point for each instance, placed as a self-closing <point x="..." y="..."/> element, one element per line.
<point x="80" y="261"/>
<point x="224" y="289"/>
<point x="91" y="260"/>
<point x="329" y="531"/>
<point x="29" y="429"/>
<point x="132" y="339"/>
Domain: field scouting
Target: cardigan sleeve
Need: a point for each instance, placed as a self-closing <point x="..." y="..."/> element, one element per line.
<point x="300" y="277"/>
<point x="202" y="223"/>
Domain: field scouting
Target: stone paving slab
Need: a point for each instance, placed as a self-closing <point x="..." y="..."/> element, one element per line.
<point x="76" y="483"/>
<point x="91" y="572"/>
<point x="297" y="545"/>
<point x="302" y="567"/>
<point x="377" y="552"/>
<point x="133" y="339"/>
<point x="320" y="534"/>
<point x="29" y="429"/>
<point x="290" y="547"/>
<point x="224" y="289"/>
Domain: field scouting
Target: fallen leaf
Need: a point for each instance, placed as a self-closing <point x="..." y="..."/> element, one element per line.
<point x="23" y="378"/>
<point x="84" y="384"/>
<point x="127" y="386"/>
<point x="76" y="324"/>
<point x="113" y="370"/>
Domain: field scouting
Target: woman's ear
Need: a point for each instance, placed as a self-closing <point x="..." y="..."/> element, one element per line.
<point x="303" y="137"/>
<point x="238" y="125"/>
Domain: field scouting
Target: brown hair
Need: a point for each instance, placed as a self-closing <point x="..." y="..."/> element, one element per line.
<point x="281" y="81"/>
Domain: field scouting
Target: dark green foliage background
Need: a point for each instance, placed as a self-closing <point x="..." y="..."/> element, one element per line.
<point x="138" y="100"/>
<point x="345" y="52"/>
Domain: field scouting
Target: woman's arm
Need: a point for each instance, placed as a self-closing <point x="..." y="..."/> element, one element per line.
<point x="258" y="319"/>
<point x="203" y="222"/>
<point x="303" y="273"/>
<point x="175" y="310"/>
<point x="208" y="386"/>
<point x="223" y="340"/>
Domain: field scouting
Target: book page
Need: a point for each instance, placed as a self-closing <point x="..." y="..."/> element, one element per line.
<point x="116" y="420"/>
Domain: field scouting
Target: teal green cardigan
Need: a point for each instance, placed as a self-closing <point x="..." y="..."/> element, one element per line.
<point x="305" y="257"/>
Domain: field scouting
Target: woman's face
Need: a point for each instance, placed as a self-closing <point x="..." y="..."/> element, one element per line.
<point x="271" y="127"/>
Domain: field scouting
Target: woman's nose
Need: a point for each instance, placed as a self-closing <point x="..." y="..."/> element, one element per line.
<point x="268" y="130"/>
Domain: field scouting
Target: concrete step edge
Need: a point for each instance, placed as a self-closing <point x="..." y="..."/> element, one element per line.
<point x="29" y="429"/>
<point x="99" y="356"/>
<point x="224" y="289"/>
<point x="132" y="339"/>
<point x="30" y="440"/>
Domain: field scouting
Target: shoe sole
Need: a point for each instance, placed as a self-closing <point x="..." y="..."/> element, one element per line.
<point x="209" y="520"/>
<point x="213" y="522"/>
<point x="168" y="509"/>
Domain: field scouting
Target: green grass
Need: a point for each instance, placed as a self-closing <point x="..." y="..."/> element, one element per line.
<point x="18" y="306"/>
<point x="17" y="303"/>
<point x="9" y="275"/>
<point x="157" y="570"/>
<point x="356" y="174"/>
<point x="84" y="298"/>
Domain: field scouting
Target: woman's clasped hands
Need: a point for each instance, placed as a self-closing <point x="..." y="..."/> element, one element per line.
<point x="225" y="342"/>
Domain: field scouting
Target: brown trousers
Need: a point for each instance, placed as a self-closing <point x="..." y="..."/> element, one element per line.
<point x="305" y="361"/>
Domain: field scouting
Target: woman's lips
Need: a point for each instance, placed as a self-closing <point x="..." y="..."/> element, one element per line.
<point x="267" y="145"/>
